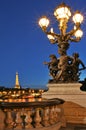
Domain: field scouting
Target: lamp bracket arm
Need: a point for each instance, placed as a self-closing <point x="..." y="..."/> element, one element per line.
<point x="71" y="33"/>
<point x="75" y="39"/>
<point x="53" y="34"/>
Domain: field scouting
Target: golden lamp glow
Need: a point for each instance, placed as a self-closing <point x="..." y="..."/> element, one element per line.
<point x="78" y="18"/>
<point x="79" y="33"/>
<point x="44" y="22"/>
<point x="51" y="30"/>
<point x="63" y="15"/>
<point x="62" y="12"/>
<point x="50" y="37"/>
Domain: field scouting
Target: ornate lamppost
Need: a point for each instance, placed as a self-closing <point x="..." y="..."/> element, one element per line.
<point x="65" y="68"/>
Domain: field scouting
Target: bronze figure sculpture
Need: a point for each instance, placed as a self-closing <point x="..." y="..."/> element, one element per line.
<point x="65" y="69"/>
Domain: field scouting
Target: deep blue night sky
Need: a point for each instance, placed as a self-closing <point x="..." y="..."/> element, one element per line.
<point x="23" y="45"/>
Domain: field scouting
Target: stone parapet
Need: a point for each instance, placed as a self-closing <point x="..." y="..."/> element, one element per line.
<point x="38" y="115"/>
<point x="74" y="106"/>
<point x="68" y="92"/>
<point x="74" y="113"/>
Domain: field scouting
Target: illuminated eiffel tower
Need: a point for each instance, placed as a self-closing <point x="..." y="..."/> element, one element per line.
<point x="17" y="82"/>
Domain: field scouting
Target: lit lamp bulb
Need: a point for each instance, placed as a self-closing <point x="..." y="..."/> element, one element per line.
<point x="62" y="12"/>
<point x="78" y="33"/>
<point x="51" y="30"/>
<point x="44" y="22"/>
<point x="78" y="18"/>
<point x="50" y="36"/>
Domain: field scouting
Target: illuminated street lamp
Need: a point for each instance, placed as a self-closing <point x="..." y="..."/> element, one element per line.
<point x="63" y="15"/>
<point x="65" y="68"/>
<point x="44" y="22"/>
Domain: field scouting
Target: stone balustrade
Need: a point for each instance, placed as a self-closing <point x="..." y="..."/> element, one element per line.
<point x="39" y="115"/>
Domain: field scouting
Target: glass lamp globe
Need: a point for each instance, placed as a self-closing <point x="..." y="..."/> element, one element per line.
<point x="78" y="18"/>
<point x="50" y="37"/>
<point x="44" y="22"/>
<point x="62" y="12"/>
<point x="78" y="33"/>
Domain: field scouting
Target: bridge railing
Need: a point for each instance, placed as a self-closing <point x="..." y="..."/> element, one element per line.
<point x="30" y="115"/>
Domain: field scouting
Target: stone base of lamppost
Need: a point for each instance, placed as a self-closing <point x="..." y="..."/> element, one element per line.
<point x="67" y="91"/>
